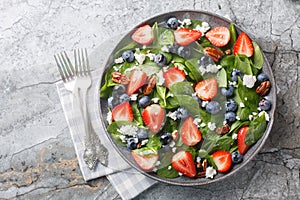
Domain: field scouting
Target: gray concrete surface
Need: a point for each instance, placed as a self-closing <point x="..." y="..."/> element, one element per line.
<point x="37" y="159"/>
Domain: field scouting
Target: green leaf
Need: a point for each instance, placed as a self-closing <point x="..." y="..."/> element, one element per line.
<point x="258" y="60"/>
<point x="149" y="68"/>
<point x="127" y="47"/>
<point x="194" y="24"/>
<point x="182" y="88"/>
<point x="114" y="126"/>
<point x="256" y="130"/>
<point x="177" y="59"/>
<point x="224" y="143"/>
<point x="145" y="151"/>
<point x="166" y="37"/>
<point x="237" y="125"/>
<point x="249" y="94"/>
<point x="202" y="153"/>
<point x="222" y="78"/>
<point x="170" y="125"/>
<point x="161" y="91"/>
<point x="136" y="113"/>
<point x="242" y="63"/>
<point x="227" y="61"/>
<point x="166" y="173"/>
<point x="106" y="89"/>
<point x="189" y="103"/>
<point x="167" y="55"/>
<point x="233" y="35"/>
<point x="154" y="142"/>
<point x="192" y="66"/>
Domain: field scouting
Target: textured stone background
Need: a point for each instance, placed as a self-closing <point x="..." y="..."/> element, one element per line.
<point x="37" y="159"/>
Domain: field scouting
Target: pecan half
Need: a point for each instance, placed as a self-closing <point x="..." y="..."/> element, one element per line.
<point x="151" y="84"/>
<point x="228" y="51"/>
<point x="263" y="88"/>
<point x="215" y="54"/>
<point x="201" y="174"/>
<point x="119" y="78"/>
<point x="223" y="129"/>
<point x="204" y="164"/>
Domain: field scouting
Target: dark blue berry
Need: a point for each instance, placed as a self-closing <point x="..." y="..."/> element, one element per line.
<point x="230" y="105"/>
<point x="112" y="102"/>
<point x="118" y="90"/>
<point x="198" y="100"/>
<point x="213" y="107"/>
<point x="128" y="56"/>
<point x="124" y="97"/>
<point x="236" y="157"/>
<point x="132" y="143"/>
<point x="184" y="52"/>
<point x="144" y="101"/>
<point x="265" y="104"/>
<point x="230" y="117"/>
<point x="172" y="23"/>
<point x="235" y="74"/>
<point x="173" y="48"/>
<point x="227" y="92"/>
<point x="181" y="113"/>
<point x="166" y="138"/>
<point x="262" y="77"/>
<point x="142" y="134"/>
<point x="206" y="60"/>
<point x="160" y="60"/>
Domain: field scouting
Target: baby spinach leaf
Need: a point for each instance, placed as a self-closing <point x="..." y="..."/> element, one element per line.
<point x="233" y="35"/>
<point x="194" y="24"/>
<point x="237" y="125"/>
<point x="106" y="89"/>
<point x="182" y="88"/>
<point x="202" y="153"/>
<point x="256" y="130"/>
<point x="154" y="142"/>
<point x="189" y="103"/>
<point x="167" y="173"/>
<point x="136" y="113"/>
<point x="149" y="68"/>
<point x="227" y="61"/>
<point x="258" y="59"/>
<point x="222" y="78"/>
<point x="192" y="66"/>
<point x="145" y="151"/>
<point x="127" y="47"/>
<point x="166" y="37"/>
<point x="242" y="63"/>
<point x="177" y="59"/>
<point x="224" y="143"/>
<point x="161" y="91"/>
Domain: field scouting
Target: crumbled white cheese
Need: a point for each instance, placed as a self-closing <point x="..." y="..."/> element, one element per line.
<point x="119" y="60"/>
<point x="133" y="97"/>
<point x="169" y="167"/>
<point x="210" y="172"/>
<point x="197" y="121"/>
<point x="242" y="105"/>
<point x="204" y="103"/>
<point x="254" y="113"/>
<point x="202" y="124"/>
<point x="165" y="49"/>
<point x="249" y="80"/>
<point x="140" y="58"/>
<point x="160" y="77"/>
<point x="128" y="130"/>
<point x="116" y="68"/>
<point x="171" y="94"/>
<point x="234" y="136"/>
<point x="203" y="28"/>
<point x="185" y="22"/>
<point x="198" y="159"/>
<point x="246" y="98"/>
<point x="144" y="142"/>
<point x="154" y="169"/>
<point x="210" y="68"/>
<point x="202" y="70"/>
<point x="238" y="118"/>
<point x="131" y="68"/>
<point x="258" y="108"/>
<point x="122" y="138"/>
<point x="250" y="117"/>
<point x="151" y="56"/>
<point x="267" y="116"/>
<point x="172" y="115"/>
<point x="180" y="174"/>
<point x="174" y="149"/>
<point x="144" y="47"/>
<point x="157" y="163"/>
<point x="233" y="83"/>
<point x="224" y="122"/>
<point x="155" y="100"/>
<point x="109" y="117"/>
<point x="211" y="126"/>
<point x="172" y="144"/>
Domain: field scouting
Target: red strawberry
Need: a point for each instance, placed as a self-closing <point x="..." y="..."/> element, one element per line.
<point x="183" y="162"/>
<point x="137" y="79"/>
<point x="207" y="89"/>
<point x="242" y="146"/>
<point x="146" y="162"/>
<point x="154" y="117"/>
<point x="173" y="75"/>
<point x="190" y="133"/>
<point x="143" y="35"/>
<point x="223" y="160"/>
<point x="218" y="36"/>
<point x="243" y="45"/>
<point x="185" y="36"/>
<point x="122" y="112"/>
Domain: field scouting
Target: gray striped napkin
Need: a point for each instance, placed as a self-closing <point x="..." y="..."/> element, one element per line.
<point x="127" y="181"/>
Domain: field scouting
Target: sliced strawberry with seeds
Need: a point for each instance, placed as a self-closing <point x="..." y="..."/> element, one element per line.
<point x="145" y="162"/>
<point x="122" y="112"/>
<point x="190" y="134"/>
<point x="218" y="36"/>
<point x="173" y="75"/>
<point x="223" y="160"/>
<point x="243" y="45"/>
<point x="207" y="89"/>
<point x="143" y="35"/>
<point x="242" y="146"/>
<point x="154" y="117"/>
<point x="185" y="36"/>
<point x="137" y="79"/>
<point x="183" y="162"/>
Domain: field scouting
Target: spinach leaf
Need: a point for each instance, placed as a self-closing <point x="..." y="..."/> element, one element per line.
<point x="161" y="91"/>
<point x="192" y="66"/>
<point x="166" y="173"/>
<point x="182" y="88"/>
<point x="202" y="153"/>
<point x="177" y="59"/>
<point x="154" y="142"/>
<point x="166" y="37"/>
<point x="149" y="68"/>
<point x="258" y="59"/>
<point x="237" y="125"/>
<point x="189" y="103"/>
<point x="256" y="130"/>
<point x="224" y="143"/>
<point x="136" y="113"/>
<point x="194" y="24"/>
<point x="106" y="89"/>
<point x="222" y="78"/>
<point x="145" y="151"/>
<point x="127" y="47"/>
<point x="233" y="35"/>
<point x="242" y="63"/>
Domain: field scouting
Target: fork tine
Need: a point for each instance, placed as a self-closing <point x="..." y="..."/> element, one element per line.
<point x="83" y="62"/>
<point x="63" y="67"/>
<point x="66" y="64"/>
<point x="60" y="68"/>
<point x="71" y="67"/>
<point x="87" y="61"/>
<point x="76" y="62"/>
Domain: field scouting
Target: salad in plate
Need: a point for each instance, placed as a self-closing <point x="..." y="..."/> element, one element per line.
<point x="187" y="99"/>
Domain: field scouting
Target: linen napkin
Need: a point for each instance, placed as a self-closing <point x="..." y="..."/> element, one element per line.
<point x="127" y="181"/>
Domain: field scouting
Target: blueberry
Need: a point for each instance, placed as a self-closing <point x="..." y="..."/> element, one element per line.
<point x="236" y="157"/>
<point x="184" y="52"/>
<point x="144" y="101"/>
<point x="124" y="97"/>
<point x="265" y="104"/>
<point x="213" y="107"/>
<point x="142" y="134"/>
<point x="172" y="23"/>
<point x="166" y="138"/>
<point x="262" y="77"/>
<point x="230" y="117"/>
<point x="235" y="74"/>
<point x="227" y="92"/>
<point x="206" y="60"/>
<point x="132" y="143"/>
<point x="128" y="56"/>
<point x="160" y="60"/>
<point x="118" y="90"/>
<point x="112" y="102"/>
<point x="181" y="113"/>
<point x="173" y="48"/>
<point x="231" y="105"/>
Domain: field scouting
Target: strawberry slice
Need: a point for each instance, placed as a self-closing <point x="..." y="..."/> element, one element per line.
<point x="154" y="117"/>
<point x="207" y="89"/>
<point x="137" y="79"/>
<point x="143" y="35"/>
<point x="223" y="160"/>
<point x="173" y="75"/>
<point x="183" y="162"/>
<point x="218" y="36"/>
<point x="145" y="162"/>
<point x="185" y="36"/>
<point x="242" y="146"/>
<point x="243" y="45"/>
<point x="122" y="112"/>
<point x="190" y="133"/>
